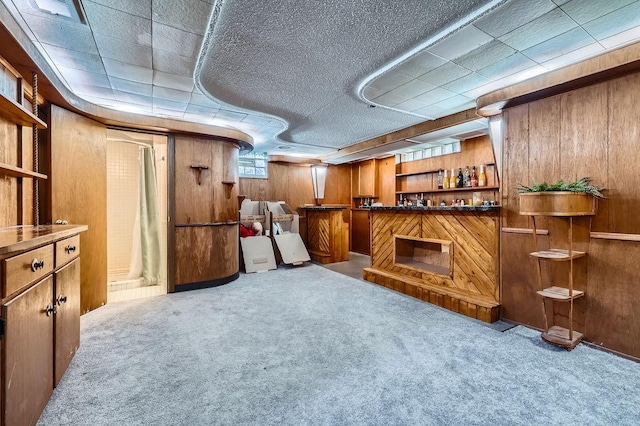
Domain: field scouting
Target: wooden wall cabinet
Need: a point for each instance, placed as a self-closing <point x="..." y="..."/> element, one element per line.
<point x="360" y="231"/>
<point x="40" y="315"/>
<point x="364" y="178"/>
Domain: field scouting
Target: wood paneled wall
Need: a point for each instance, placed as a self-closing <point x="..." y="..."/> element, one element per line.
<point x="387" y="181"/>
<point x="78" y="189"/>
<point x="593" y="132"/>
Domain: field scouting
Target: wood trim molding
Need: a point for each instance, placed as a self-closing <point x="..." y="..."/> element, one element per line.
<point x="606" y="66"/>
<point x="525" y="231"/>
<point x="615" y="236"/>
<point x="293" y="160"/>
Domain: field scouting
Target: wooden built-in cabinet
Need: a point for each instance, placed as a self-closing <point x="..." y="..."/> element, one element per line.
<point x="360" y="231"/>
<point x="40" y="281"/>
<point x="364" y="179"/>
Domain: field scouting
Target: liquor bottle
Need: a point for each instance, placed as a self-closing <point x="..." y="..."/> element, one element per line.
<point x="460" y="180"/>
<point x="452" y="179"/>
<point x="482" y="176"/>
<point x="466" y="177"/>
<point x="474" y="177"/>
<point x="445" y="180"/>
<point x="440" y="184"/>
<point x="400" y="201"/>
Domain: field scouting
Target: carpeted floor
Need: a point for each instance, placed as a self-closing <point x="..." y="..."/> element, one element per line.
<point x="306" y="345"/>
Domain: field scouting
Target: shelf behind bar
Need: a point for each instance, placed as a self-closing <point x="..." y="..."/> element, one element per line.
<point x="424" y="172"/>
<point x="557" y="254"/>
<point x="18" y="114"/>
<point x="436" y="191"/>
<point x="524" y="231"/>
<point x="13" y="171"/>
<point x="615" y="236"/>
<point x="560" y="293"/>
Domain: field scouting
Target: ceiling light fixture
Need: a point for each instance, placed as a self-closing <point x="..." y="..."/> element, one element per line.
<point x="71" y="9"/>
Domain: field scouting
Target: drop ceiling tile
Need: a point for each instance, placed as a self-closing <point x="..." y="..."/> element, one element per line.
<point x="176" y="41"/>
<point x="133" y="98"/>
<point x="559" y="45"/>
<point x="94" y="91"/>
<point x="188" y="15"/>
<point x="625" y="37"/>
<point x="168" y="112"/>
<point x="371" y="92"/>
<point x="169" y="105"/>
<point x="200" y="99"/>
<point x="615" y="22"/>
<point x="458" y="103"/>
<point x="117" y="24"/>
<point x="560" y="2"/>
<point x="583" y="11"/>
<point x="256" y="119"/>
<point x="512" y="15"/>
<point x="430" y="111"/>
<point x="173" y="64"/>
<point x="230" y="115"/>
<point x="171" y="94"/>
<point x="460" y="42"/>
<point x="75" y="76"/>
<point x="434" y="96"/>
<point x="427" y="60"/>
<point x="511" y="65"/>
<point x="125" y="71"/>
<point x="131" y="86"/>
<point x="411" y="69"/>
<point x="197" y="118"/>
<point x="74" y="59"/>
<point x="541" y="29"/>
<point x="58" y="32"/>
<point x="412" y="89"/>
<point x="575" y="56"/>
<point x="173" y="81"/>
<point x="390" y="80"/>
<point x="120" y="50"/>
<point x="485" y="55"/>
<point x="444" y="74"/>
<point x="140" y="8"/>
<point x="466" y="83"/>
<point x="201" y="110"/>
<point x="410" y="105"/>
<point x="389" y="99"/>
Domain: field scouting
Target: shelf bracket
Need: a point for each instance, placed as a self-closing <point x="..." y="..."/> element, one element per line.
<point x="199" y="170"/>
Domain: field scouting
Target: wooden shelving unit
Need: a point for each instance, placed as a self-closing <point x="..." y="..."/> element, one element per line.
<point x="16" y="113"/>
<point x="468" y="188"/>
<point x="563" y="206"/>
<point x="19" y="172"/>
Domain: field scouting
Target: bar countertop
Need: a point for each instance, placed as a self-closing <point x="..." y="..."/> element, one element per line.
<point x="439" y="208"/>
<point x="26" y="237"/>
<point x="323" y="207"/>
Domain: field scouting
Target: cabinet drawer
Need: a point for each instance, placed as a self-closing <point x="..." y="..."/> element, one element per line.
<point x="20" y="271"/>
<point x="67" y="249"/>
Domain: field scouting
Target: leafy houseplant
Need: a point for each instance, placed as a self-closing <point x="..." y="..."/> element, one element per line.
<point x="560" y="199"/>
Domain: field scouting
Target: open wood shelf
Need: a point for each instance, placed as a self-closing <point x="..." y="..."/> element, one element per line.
<point x="560" y="293"/>
<point x="13" y="171"/>
<point x="17" y="114"/>
<point x="557" y="254"/>
<point x="424" y="172"/>
<point x="468" y="189"/>
<point x="560" y="336"/>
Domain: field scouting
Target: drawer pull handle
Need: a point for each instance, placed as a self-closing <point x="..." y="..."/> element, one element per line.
<point x="50" y="310"/>
<point x="37" y="264"/>
<point x="70" y="249"/>
<point x="61" y="299"/>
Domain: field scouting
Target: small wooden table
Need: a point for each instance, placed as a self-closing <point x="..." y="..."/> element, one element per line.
<point x="327" y="234"/>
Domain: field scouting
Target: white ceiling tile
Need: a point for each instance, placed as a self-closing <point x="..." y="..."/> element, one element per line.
<point x="560" y="2"/>
<point x="169" y="105"/>
<point x="168" y="112"/>
<point x="583" y="11"/>
<point x="412" y="89"/>
<point x="140" y="8"/>
<point x="427" y="60"/>
<point x="512" y="15"/>
<point x="434" y="96"/>
<point x="196" y="118"/>
<point x="511" y="65"/>
<point x="575" y="56"/>
<point x="411" y="69"/>
<point x="410" y="105"/>
<point x="444" y="74"/>
<point x="176" y="41"/>
<point x="188" y="15"/>
<point x="430" y="111"/>
<point x="461" y="42"/>
<point x="390" y="80"/>
<point x="120" y="50"/>
<point x="75" y="76"/>
<point x="625" y="37"/>
<point x="541" y="29"/>
<point x="173" y="64"/>
<point x="93" y="91"/>
<point x="74" y="59"/>
<point x="171" y="94"/>
<point x="62" y="33"/>
<point x="117" y="24"/>
<point x="389" y="99"/>
<point x="133" y="98"/>
<point x="128" y="72"/>
<point x="615" y="22"/>
<point x="485" y="55"/>
<point x="458" y="102"/>
<point x="230" y="115"/>
<point x="559" y="45"/>
<point x="466" y="83"/>
<point x="201" y="110"/>
<point x="256" y="119"/>
<point x="173" y="81"/>
<point x="200" y="99"/>
<point x="371" y="92"/>
<point x="131" y="86"/>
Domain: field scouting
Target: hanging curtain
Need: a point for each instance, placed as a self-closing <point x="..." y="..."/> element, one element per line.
<point x="145" y="257"/>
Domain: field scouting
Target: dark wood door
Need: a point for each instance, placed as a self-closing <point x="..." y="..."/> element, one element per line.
<point x="360" y="236"/>
<point x="67" y="318"/>
<point x="28" y="349"/>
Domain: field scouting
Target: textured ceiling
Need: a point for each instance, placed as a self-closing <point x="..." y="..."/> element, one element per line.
<point x="304" y="74"/>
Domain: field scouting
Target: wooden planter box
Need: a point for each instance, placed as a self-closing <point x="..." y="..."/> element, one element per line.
<point x="557" y="204"/>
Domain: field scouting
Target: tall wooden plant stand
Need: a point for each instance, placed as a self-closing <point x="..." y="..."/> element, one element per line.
<point x="565" y="205"/>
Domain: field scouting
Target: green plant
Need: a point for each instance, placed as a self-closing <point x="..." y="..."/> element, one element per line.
<point x="582" y="185"/>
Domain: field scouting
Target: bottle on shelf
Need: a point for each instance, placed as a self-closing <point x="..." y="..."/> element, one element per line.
<point x="445" y="180"/>
<point x="440" y="184"/>
<point x="482" y="176"/>
<point x="474" y="178"/>
<point x="400" y="204"/>
<point x="466" y="178"/>
<point x="452" y="179"/>
<point x="460" y="179"/>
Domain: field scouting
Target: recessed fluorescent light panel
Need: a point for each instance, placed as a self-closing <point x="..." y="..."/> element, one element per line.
<point x="71" y="9"/>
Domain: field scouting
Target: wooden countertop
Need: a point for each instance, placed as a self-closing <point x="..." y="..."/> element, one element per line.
<point x="21" y="238"/>
<point x="324" y="207"/>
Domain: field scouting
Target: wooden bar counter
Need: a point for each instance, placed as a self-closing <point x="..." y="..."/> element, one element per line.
<point x="447" y="256"/>
<point x="327" y="234"/>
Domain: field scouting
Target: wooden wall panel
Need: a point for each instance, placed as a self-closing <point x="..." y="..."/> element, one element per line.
<point x="384" y="225"/>
<point x="78" y="188"/>
<point x="598" y="127"/>
<point x="387" y="181"/>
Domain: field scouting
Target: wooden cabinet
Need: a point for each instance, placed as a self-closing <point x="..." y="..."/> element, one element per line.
<point x="40" y="279"/>
<point x="360" y="231"/>
<point x="364" y="179"/>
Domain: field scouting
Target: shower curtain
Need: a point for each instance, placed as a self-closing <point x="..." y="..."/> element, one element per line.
<point x="146" y="261"/>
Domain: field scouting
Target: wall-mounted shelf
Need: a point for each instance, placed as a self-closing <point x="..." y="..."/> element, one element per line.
<point x="470" y="188"/>
<point x="424" y="172"/>
<point x="13" y="171"/>
<point x="17" y="114"/>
